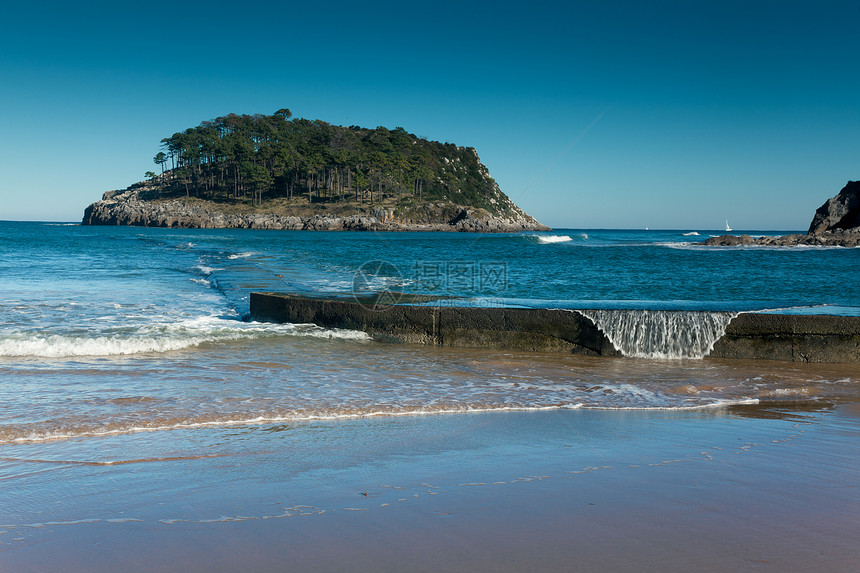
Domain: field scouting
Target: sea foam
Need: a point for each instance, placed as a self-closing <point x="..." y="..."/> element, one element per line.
<point x="160" y="337"/>
<point x="549" y="239"/>
<point x="24" y="434"/>
<point x="242" y="255"/>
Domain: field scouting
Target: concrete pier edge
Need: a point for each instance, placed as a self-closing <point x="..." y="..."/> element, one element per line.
<point x="795" y="338"/>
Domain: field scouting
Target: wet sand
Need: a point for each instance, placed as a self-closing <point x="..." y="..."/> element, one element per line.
<point x="758" y="488"/>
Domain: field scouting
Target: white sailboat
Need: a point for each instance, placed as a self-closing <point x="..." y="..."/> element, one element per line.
<point x="728" y="229"/>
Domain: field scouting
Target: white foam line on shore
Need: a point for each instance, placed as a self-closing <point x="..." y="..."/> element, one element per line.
<point x="278" y="419"/>
<point x="717" y="404"/>
<point x="332" y="417"/>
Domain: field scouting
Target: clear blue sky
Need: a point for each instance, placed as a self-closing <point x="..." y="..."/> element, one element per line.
<point x="588" y="114"/>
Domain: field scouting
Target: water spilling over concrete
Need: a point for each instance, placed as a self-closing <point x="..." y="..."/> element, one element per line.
<point x="660" y="333"/>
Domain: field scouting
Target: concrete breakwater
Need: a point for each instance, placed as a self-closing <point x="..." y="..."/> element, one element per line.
<point x="665" y="334"/>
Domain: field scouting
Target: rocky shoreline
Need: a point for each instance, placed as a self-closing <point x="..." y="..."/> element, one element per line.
<point x="835" y="224"/>
<point x="836" y="238"/>
<point x="126" y="207"/>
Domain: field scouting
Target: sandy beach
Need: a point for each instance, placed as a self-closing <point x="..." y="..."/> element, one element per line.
<point x="759" y="488"/>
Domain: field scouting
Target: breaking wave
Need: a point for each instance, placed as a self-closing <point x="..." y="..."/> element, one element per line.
<point x="159" y="338"/>
<point x="549" y="239"/>
<point x="242" y="255"/>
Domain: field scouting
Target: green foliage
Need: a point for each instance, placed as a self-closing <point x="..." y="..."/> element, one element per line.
<point x="259" y="157"/>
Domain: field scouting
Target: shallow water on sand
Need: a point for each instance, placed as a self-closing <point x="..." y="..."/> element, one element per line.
<point x="626" y="490"/>
<point x="270" y="382"/>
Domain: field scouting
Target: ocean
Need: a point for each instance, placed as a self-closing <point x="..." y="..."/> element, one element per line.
<point x="137" y="395"/>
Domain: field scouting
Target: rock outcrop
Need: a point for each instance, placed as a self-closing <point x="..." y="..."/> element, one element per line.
<point x="127" y="207"/>
<point x="835" y="224"/>
<point x="837" y="238"/>
<point x="839" y="213"/>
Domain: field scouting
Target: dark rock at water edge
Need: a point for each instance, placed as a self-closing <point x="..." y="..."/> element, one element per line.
<point x="839" y="213"/>
<point x="126" y="207"/>
<point x="836" y="238"/>
<point x="835" y="224"/>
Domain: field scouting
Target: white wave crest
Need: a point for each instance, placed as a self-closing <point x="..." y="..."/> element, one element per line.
<point x="207" y="270"/>
<point x="157" y="338"/>
<point x="549" y="239"/>
<point x="243" y="255"/>
<point x="691" y="234"/>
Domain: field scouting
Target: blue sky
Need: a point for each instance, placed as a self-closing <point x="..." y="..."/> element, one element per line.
<point x="607" y="114"/>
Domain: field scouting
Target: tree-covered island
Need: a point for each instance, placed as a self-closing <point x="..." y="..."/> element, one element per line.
<point x="279" y="172"/>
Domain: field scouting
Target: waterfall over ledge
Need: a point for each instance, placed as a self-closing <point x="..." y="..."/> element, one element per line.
<point x="661" y="333"/>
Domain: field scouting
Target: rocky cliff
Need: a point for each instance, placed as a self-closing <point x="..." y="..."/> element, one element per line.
<point x="839" y="213"/>
<point x="835" y="224"/>
<point x="132" y="207"/>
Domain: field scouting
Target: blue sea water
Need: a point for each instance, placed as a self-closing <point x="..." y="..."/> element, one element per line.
<point x="136" y="395"/>
<point x="572" y="268"/>
<point x="110" y="330"/>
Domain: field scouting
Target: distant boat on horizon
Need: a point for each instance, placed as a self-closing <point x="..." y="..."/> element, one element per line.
<point x="728" y="229"/>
